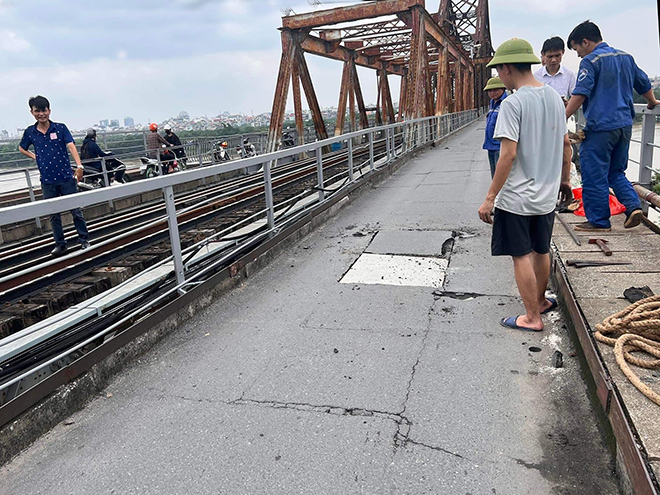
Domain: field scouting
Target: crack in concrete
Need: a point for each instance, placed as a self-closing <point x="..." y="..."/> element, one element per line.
<point x="438" y="449"/>
<point x="297" y="406"/>
<point x="403" y="429"/>
<point x="437" y="294"/>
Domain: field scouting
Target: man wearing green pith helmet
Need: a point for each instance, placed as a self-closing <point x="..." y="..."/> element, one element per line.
<point x="533" y="169"/>
<point x="496" y="93"/>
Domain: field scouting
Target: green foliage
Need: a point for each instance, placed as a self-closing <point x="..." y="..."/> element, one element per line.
<point x="655" y="183"/>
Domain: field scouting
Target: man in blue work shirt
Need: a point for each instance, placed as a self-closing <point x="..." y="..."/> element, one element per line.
<point x="496" y="93"/>
<point x="604" y="87"/>
<point x="51" y="142"/>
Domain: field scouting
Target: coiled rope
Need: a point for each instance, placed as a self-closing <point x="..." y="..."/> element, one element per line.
<point x="635" y="329"/>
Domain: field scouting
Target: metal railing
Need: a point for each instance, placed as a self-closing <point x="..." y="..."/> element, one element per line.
<point x="365" y="151"/>
<point x="645" y="163"/>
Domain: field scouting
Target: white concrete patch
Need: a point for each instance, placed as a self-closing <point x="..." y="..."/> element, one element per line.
<point x="387" y="269"/>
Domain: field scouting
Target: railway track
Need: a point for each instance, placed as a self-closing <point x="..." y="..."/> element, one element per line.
<point x="34" y="286"/>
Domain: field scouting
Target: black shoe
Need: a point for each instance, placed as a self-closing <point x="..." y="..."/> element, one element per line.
<point x="59" y="250"/>
<point x="634" y="219"/>
<point x="84" y="245"/>
<point x="589" y="227"/>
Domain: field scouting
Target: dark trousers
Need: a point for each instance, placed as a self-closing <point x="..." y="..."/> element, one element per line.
<point x="603" y="163"/>
<point x="63" y="189"/>
<point x="493" y="156"/>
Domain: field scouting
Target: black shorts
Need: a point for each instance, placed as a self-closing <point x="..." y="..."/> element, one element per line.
<point x="518" y="235"/>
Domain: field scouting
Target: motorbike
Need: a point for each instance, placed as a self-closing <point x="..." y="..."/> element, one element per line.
<point x="93" y="177"/>
<point x="220" y="153"/>
<point x="149" y="167"/>
<point x="287" y="141"/>
<point x="246" y="151"/>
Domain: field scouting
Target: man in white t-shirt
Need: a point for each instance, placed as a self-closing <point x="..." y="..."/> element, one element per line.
<point x="534" y="167"/>
<point x="553" y="73"/>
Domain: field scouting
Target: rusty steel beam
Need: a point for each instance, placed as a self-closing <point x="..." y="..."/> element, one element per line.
<point x="317" y="46"/>
<point x="344" y="88"/>
<point x="387" y="98"/>
<point x="281" y="91"/>
<point x="310" y="94"/>
<point x="438" y="37"/>
<point x="355" y="80"/>
<point x="297" y="104"/>
<point x="348" y="13"/>
<point x="403" y="92"/>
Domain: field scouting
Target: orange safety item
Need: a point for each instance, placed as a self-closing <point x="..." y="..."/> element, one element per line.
<point x="153" y="127"/>
<point x="615" y="205"/>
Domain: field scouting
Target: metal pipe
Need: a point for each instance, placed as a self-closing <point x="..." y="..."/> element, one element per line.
<point x="646" y="194"/>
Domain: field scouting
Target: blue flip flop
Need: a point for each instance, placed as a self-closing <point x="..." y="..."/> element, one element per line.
<point x="553" y="305"/>
<point x="510" y="322"/>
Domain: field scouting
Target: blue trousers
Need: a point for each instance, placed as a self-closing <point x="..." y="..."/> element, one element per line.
<point x="493" y="156"/>
<point x="603" y="163"/>
<point x="64" y="189"/>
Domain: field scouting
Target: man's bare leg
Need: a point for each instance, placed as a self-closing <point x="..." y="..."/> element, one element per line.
<point x="523" y="269"/>
<point x="541" y="264"/>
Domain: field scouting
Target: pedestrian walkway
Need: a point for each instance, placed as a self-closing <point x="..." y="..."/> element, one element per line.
<point x="315" y="376"/>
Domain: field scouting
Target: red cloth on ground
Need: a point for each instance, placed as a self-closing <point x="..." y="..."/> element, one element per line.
<point x="615" y="205"/>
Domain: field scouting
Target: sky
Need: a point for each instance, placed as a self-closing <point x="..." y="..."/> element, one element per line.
<point x="151" y="59"/>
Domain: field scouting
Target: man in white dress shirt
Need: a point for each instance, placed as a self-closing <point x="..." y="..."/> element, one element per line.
<point x="553" y="74"/>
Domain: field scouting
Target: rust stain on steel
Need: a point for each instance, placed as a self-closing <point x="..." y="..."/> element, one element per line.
<point x="347" y="14"/>
<point x="394" y="37"/>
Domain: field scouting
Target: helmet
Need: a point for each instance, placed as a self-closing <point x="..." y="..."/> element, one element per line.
<point x="91" y="133"/>
<point x="494" y="83"/>
<point x="246" y="140"/>
<point x="153" y="127"/>
<point x="514" y="51"/>
<point x="167" y="127"/>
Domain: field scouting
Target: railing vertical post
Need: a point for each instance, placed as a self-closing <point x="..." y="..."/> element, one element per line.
<point x="168" y="194"/>
<point x="350" y="159"/>
<point x="268" y="189"/>
<point x="387" y="145"/>
<point x="201" y="158"/>
<point x="319" y="173"/>
<point x="28" y="179"/>
<point x="646" y="154"/>
<point x="106" y="181"/>
<point x="371" y="150"/>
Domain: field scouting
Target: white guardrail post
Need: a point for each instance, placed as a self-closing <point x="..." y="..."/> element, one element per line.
<point x="371" y="150"/>
<point x="28" y="179"/>
<point x="168" y="195"/>
<point x="319" y="172"/>
<point x="268" y="189"/>
<point x="646" y="150"/>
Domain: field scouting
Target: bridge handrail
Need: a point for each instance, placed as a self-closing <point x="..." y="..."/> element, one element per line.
<point x="21" y="212"/>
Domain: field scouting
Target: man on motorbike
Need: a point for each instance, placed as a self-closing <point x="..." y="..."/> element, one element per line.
<point x="174" y="140"/>
<point x="90" y="149"/>
<point x="154" y="142"/>
<point x="248" y="149"/>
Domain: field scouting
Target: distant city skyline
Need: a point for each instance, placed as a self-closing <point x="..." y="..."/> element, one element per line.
<point x="151" y="58"/>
